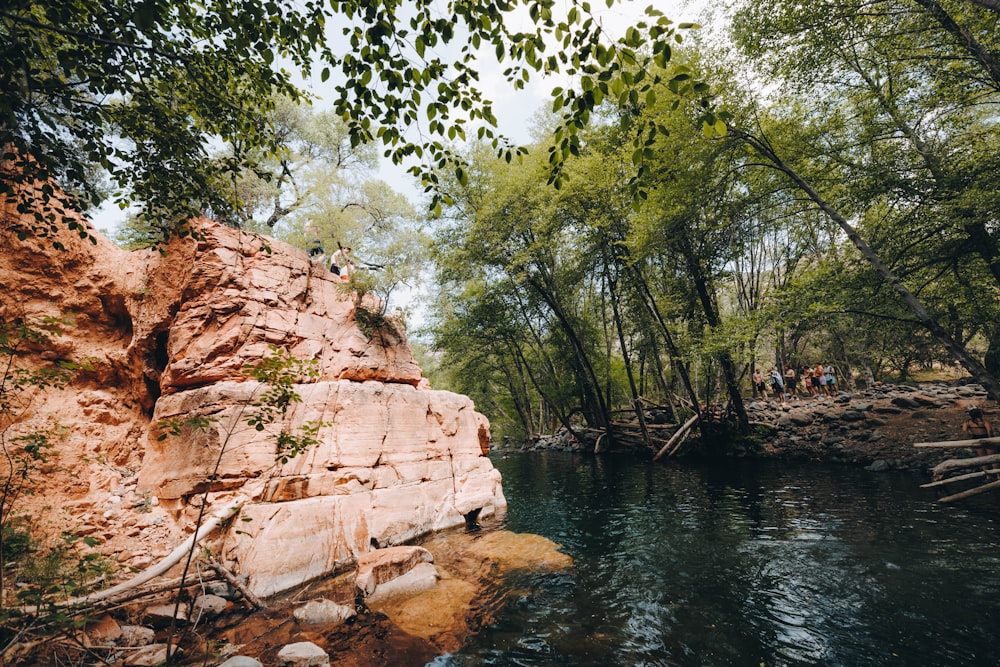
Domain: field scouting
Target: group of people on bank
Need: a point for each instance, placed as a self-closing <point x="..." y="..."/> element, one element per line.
<point x="818" y="380"/>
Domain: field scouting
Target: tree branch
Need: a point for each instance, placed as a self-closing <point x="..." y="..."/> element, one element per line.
<point x="83" y="36"/>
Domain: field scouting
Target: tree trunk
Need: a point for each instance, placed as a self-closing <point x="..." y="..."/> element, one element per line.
<point x="729" y="372"/>
<point x="651" y="307"/>
<point x="636" y="403"/>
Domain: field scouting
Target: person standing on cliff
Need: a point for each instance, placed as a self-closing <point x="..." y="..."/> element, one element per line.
<point x="977" y="426"/>
<point x="341" y="259"/>
<point x="316" y="252"/>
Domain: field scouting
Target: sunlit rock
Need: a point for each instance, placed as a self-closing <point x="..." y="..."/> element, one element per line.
<point x="168" y="335"/>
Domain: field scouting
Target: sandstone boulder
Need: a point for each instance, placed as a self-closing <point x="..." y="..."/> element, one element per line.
<point x="395" y="571"/>
<point x="303" y="654"/>
<point x="323" y="612"/>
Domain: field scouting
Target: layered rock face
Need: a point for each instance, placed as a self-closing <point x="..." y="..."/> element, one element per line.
<point x="168" y="336"/>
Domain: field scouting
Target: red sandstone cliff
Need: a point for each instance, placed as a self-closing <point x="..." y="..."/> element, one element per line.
<point x="167" y="335"/>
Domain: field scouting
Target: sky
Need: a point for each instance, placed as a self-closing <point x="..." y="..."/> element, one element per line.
<point x="513" y="108"/>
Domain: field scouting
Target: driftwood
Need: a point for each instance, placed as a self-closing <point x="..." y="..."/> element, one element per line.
<point x="676" y="447"/>
<point x="687" y="426"/>
<point x="989" y="486"/>
<point x="956" y="478"/>
<point x="951" y="465"/>
<point x="632" y="426"/>
<point x="980" y="442"/>
<point x="251" y="599"/>
<point x="160" y="568"/>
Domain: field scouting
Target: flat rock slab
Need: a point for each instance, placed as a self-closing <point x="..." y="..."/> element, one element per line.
<point x="376" y="569"/>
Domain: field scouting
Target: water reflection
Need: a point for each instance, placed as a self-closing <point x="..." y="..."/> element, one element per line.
<point x="747" y="565"/>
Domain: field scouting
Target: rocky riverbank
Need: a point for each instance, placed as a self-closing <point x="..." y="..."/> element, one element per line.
<point x="874" y="427"/>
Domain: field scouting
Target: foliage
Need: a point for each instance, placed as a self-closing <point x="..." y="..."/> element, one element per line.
<point x="900" y="161"/>
<point x="279" y="372"/>
<point x="45" y="577"/>
<point x="146" y="89"/>
<point x="726" y="257"/>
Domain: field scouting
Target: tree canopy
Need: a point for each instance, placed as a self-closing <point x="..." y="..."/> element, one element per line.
<point x="148" y="91"/>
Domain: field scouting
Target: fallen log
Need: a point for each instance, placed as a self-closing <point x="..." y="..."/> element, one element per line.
<point x="956" y="478"/>
<point x="687" y="426"/>
<point x="676" y="448"/>
<point x="961" y="478"/>
<point x="252" y="600"/>
<point x="632" y="426"/>
<point x="160" y="568"/>
<point x="980" y="442"/>
<point x="989" y="486"/>
<point x="951" y="465"/>
<point x="151" y="589"/>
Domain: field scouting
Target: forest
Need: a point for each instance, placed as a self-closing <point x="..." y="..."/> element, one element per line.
<point x="782" y="186"/>
<point x="848" y="216"/>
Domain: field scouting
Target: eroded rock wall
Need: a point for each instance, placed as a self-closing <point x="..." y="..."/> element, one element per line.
<point x="168" y="335"/>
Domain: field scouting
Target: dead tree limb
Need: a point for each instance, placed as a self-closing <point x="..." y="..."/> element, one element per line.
<point x="980" y="442"/>
<point x="989" y="486"/>
<point x="956" y="478"/>
<point x="220" y="569"/>
<point x="160" y="568"/>
<point x="951" y="465"/>
<point x="687" y="426"/>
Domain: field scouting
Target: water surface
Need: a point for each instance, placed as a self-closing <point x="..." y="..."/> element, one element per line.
<point x="749" y="565"/>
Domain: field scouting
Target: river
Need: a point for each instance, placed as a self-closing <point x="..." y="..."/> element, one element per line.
<point x="755" y="564"/>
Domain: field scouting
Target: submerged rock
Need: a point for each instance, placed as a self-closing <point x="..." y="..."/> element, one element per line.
<point x="323" y="612"/>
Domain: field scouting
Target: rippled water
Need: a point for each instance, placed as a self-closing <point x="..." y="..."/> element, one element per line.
<point x="753" y="565"/>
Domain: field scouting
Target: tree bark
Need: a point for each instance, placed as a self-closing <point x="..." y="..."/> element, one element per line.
<point x="707" y="299"/>
<point x="636" y="403"/>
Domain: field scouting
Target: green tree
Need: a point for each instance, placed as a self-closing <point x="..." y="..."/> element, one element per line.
<point x="146" y="89"/>
<point x="892" y="138"/>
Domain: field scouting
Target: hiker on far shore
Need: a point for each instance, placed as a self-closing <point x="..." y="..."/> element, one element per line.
<point x="759" y="387"/>
<point x="819" y="374"/>
<point x="777" y="384"/>
<point x="791" y="380"/>
<point x="977" y="426"/>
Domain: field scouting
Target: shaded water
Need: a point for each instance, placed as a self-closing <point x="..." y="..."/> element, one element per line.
<point x="756" y="565"/>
